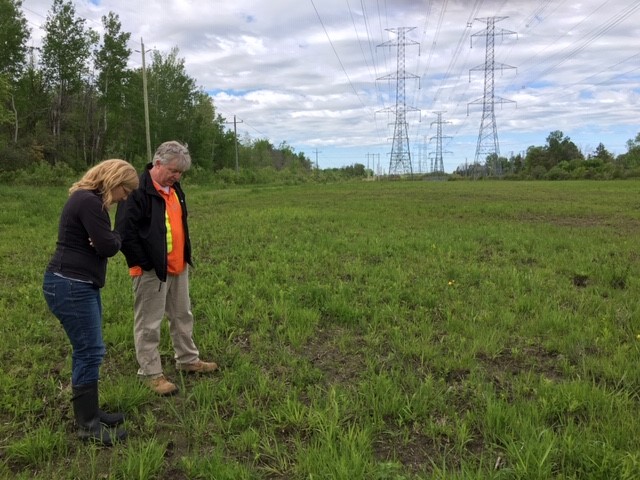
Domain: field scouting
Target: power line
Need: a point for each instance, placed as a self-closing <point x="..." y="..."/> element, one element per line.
<point x="336" y="54"/>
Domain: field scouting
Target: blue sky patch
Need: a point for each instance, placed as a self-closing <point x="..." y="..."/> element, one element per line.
<point x="231" y="92"/>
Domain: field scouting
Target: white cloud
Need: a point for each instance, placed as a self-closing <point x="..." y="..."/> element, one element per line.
<point x="307" y="72"/>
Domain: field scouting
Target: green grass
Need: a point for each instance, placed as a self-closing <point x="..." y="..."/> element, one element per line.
<point x="375" y="330"/>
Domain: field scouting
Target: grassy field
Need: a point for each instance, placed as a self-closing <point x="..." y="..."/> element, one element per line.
<point x="380" y="330"/>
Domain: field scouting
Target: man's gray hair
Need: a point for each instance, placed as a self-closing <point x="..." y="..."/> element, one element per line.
<point x="172" y="151"/>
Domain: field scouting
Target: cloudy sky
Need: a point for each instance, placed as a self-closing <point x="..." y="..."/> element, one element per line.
<point x="322" y="75"/>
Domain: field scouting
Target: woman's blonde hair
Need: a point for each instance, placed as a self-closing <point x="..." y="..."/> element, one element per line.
<point x="105" y="177"/>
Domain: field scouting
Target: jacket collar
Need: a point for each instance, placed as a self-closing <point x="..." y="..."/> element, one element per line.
<point x="147" y="182"/>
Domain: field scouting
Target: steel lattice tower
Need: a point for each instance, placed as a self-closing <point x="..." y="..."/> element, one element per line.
<point x="400" y="161"/>
<point x="438" y="164"/>
<point x="488" y="135"/>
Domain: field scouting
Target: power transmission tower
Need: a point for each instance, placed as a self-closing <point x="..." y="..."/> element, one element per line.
<point x="488" y="135"/>
<point x="438" y="165"/>
<point x="400" y="161"/>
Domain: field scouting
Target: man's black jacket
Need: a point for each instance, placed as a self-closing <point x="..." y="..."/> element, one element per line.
<point x="140" y="220"/>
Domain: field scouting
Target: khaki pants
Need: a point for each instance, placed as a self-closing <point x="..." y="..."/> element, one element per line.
<point x="154" y="299"/>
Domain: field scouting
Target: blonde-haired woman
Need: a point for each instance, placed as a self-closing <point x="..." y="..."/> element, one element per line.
<point x="72" y="284"/>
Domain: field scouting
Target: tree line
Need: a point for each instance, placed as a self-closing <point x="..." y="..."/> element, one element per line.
<point x="74" y="101"/>
<point x="559" y="159"/>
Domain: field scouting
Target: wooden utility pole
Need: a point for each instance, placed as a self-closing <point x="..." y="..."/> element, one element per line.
<point x="317" y="167"/>
<point x="235" y="134"/>
<point x="146" y="102"/>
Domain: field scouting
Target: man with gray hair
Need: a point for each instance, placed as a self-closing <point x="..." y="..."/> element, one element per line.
<point x="155" y="242"/>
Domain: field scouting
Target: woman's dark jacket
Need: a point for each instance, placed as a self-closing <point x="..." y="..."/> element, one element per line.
<point x="85" y="239"/>
<point x="141" y="223"/>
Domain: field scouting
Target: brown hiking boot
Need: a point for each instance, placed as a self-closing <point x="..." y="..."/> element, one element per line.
<point x="161" y="386"/>
<point x="198" y="367"/>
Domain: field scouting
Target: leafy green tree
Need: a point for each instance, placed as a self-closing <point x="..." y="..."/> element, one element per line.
<point x="258" y="153"/>
<point x="601" y="153"/>
<point x="296" y="162"/>
<point x="14" y="35"/>
<point x="111" y="63"/>
<point x="496" y="165"/>
<point x="561" y="148"/>
<point x="225" y="151"/>
<point x="558" y="149"/>
<point x="631" y="159"/>
<point x="5" y="114"/>
<point x="179" y="110"/>
<point x="131" y="138"/>
<point x="65" y="53"/>
<point x="261" y="153"/>
<point x="355" y="170"/>
<point x="516" y="164"/>
<point x="32" y="102"/>
<point x="66" y="47"/>
<point x="634" y="144"/>
<point x="171" y="98"/>
<point x="206" y="132"/>
<point x="537" y="158"/>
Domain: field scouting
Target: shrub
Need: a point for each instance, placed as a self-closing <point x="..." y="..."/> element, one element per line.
<point x="43" y="174"/>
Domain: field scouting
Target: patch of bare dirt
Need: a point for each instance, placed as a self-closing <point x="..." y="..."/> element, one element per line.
<point x="418" y="453"/>
<point x="502" y="368"/>
<point x="338" y="364"/>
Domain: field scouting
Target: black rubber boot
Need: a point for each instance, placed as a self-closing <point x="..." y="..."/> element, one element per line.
<point x="86" y="412"/>
<point x="110" y="419"/>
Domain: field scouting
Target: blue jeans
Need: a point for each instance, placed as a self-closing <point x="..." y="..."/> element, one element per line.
<point x="78" y="307"/>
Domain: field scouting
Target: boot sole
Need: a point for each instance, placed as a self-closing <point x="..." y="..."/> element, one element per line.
<point x="167" y="394"/>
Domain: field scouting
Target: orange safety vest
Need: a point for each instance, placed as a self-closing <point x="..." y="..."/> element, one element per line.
<point x="175" y="233"/>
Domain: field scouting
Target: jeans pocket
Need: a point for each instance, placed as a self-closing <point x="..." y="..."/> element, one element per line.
<point x="49" y="292"/>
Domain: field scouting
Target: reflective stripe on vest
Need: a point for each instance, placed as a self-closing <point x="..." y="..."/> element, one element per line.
<point x="169" y="234"/>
